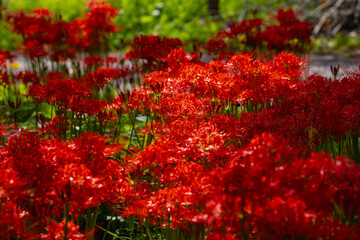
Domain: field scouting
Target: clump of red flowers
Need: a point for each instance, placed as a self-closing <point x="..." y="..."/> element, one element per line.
<point x="46" y="34"/>
<point x="245" y="147"/>
<point x="290" y="34"/>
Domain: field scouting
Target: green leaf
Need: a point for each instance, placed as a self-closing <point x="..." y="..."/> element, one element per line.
<point x="22" y="115"/>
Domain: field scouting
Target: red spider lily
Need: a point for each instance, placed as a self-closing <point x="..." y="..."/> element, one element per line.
<point x="55" y="75"/>
<point x="176" y="58"/>
<point x="6" y="130"/>
<point x="100" y="77"/>
<point x="279" y="36"/>
<point x="31" y="25"/>
<point x="12" y="221"/>
<point x="111" y="60"/>
<point x="120" y="103"/>
<point x="56" y="127"/>
<point x="92" y="30"/>
<point x="4" y="77"/>
<point x="28" y="77"/>
<point x="89" y="106"/>
<point x="55" y="173"/>
<point x="152" y="49"/>
<point x="286" y="17"/>
<point x="39" y="30"/>
<point x="98" y="19"/>
<point x="76" y="185"/>
<point x="245" y="27"/>
<point x="226" y="151"/>
<point x="106" y="116"/>
<point x="289" y="34"/>
<point x="93" y="60"/>
<point x="215" y="45"/>
<point x="7" y="55"/>
<point x="288" y="204"/>
<point x="56" y="231"/>
<point x="43" y="31"/>
<point x="26" y="157"/>
<point x="66" y="93"/>
<point x="90" y="150"/>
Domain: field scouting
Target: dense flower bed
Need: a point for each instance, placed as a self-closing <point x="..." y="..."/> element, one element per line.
<point x="236" y="147"/>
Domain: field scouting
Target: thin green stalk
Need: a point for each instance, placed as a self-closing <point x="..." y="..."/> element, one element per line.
<point x="59" y="113"/>
<point x="355" y="148"/>
<point x="244" y="234"/>
<point x="93" y="222"/>
<point x="66" y="216"/>
<point x="110" y="233"/>
<point x="88" y="217"/>
<point x="80" y="122"/>
<point x="344" y="144"/>
<point x="88" y="123"/>
<point x="313" y="117"/>
<point x="119" y="126"/>
<point x="51" y="111"/>
<point x="340" y="146"/>
<point x="147" y="119"/>
<point x="94" y="127"/>
<point x="133" y="122"/>
<point x="147" y="229"/>
<point x="108" y="226"/>
<point x="72" y="126"/>
<point x="332" y="148"/>
<point x="37" y="114"/>
<point x="157" y="231"/>
<point x="1" y="204"/>
<point x="132" y="226"/>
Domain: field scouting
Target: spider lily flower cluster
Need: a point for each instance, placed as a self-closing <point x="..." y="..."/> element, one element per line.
<point x="239" y="148"/>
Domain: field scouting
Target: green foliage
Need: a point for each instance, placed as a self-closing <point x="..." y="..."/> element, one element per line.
<point x="187" y="20"/>
<point x="8" y="40"/>
<point x="69" y="9"/>
<point x="236" y="10"/>
<point x="341" y="43"/>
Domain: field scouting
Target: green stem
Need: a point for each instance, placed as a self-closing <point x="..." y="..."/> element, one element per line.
<point x="108" y="225"/>
<point x="147" y="119"/>
<point x="91" y="222"/>
<point x="88" y="217"/>
<point x="72" y="126"/>
<point x="132" y="226"/>
<point x="133" y="122"/>
<point x="66" y="216"/>
<point x="332" y="148"/>
<point x="339" y="146"/>
<point x="147" y="229"/>
<point x="316" y="103"/>
<point x="65" y="121"/>
<point x="37" y="114"/>
<point x="94" y="129"/>
<point x="80" y="122"/>
<point x="110" y="233"/>
<point x="356" y="152"/>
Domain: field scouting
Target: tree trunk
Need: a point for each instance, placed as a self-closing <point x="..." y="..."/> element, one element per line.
<point x="213" y="7"/>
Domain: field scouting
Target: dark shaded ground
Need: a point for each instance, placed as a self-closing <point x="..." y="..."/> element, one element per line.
<point x="320" y="63"/>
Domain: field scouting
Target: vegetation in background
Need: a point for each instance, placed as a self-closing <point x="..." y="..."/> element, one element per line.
<point x="69" y="9"/>
<point x="342" y="43"/>
<point x="187" y="20"/>
<point x="162" y="144"/>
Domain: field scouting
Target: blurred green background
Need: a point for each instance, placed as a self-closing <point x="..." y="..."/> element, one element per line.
<point x="191" y="22"/>
<point x="187" y="20"/>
